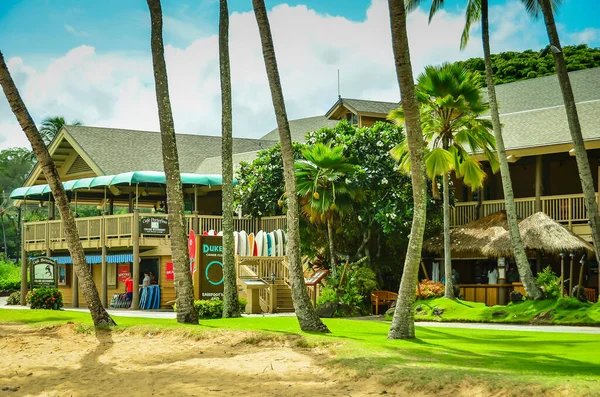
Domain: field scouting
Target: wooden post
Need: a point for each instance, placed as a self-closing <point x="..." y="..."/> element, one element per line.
<point x="562" y="274"/>
<point x="582" y="262"/>
<point x="51" y="210"/>
<point x="104" y="292"/>
<point x="111" y="206"/>
<point x="195" y="222"/>
<point x="424" y="270"/>
<point x="572" y="255"/>
<point x="538" y="183"/>
<point x="75" y="290"/>
<point x="135" y="236"/>
<point x="24" y="266"/>
<point x="47" y="239"/>
<point x="273" y="298"/>
<point x="130" y="200"/>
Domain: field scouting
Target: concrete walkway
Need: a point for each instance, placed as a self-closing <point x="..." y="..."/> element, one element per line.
<point x="485" y="326"/>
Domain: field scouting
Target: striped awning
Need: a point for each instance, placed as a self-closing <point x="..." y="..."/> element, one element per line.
<point x="96" y="259"/>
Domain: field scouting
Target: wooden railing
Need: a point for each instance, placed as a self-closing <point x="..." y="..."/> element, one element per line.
<point x="567" y="209"/>
<point x="121" y="226"/>
<point x="272" y="270"/>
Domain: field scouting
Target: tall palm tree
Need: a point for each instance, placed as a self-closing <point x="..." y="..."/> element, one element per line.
<point x="86" y="283"/>
<point x="403" y="323"/>
<point x="476" y="10"/>
<point x="6" y="208"/>
<point x="546" y="7"/>
<point x="451" y="103"/>
<point x="324" y="187"/>
<point x="52" y="125"/>
<point x="230" y="297"/>
<point x="177" y="224"/>
<point x="307" y="316"/>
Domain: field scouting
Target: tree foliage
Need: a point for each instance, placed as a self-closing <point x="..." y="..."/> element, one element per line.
<point x="513" y="66"/>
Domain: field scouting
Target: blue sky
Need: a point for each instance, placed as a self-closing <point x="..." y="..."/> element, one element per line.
<point x="90" y="60"/>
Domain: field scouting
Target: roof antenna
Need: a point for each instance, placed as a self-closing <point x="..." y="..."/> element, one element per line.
<point x="339" y="94"/>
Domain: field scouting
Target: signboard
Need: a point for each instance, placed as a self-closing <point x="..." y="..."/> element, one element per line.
<point x="316" y="277"/>
<point x="124" y="272"/>
<point x="154" y="225"/>
<point x="169" y="274"/>
<point x="192" y="251"/>
<point x="211" y="267"/>
<point x="43" y="272"/>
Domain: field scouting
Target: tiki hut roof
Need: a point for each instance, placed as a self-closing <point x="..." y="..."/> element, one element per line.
<point x="539" y="232"/>
<point x="472" y="237"/>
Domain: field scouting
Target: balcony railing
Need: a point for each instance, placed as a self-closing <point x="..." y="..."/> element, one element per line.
<point x="568" y="209"/>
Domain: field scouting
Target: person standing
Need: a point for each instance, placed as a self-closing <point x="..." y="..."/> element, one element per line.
<point x="128" y="290"/>
<point x="146" y="281"/>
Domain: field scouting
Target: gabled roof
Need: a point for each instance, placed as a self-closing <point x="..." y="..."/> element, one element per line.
<point x="361" y="106"/>
<point x="300" y="127"/>
<point x="213" y="165"/>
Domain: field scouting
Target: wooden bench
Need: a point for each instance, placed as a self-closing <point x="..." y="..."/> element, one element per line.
<point x="590" y="294"/>
<point x="382" y="298"/>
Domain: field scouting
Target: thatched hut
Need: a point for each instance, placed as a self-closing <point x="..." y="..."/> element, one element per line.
<point x="467" y="241"/>
<point x="542" y="233"/>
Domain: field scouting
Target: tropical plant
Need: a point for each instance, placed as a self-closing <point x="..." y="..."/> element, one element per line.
<point x="230" y="296"/>
<point x="307" y="316"/>
<point x="549" y="283"/>
<point x="179" y="248"/>
<point x="325" y="188"/>
<point x="84" y="276"/>
<point x="451" y="104"/>
<point x="48" y="298"/>
<point x="403" y="324"/>
<point x="478" y="10"/>
<point x="14" y="298"/>
<point x="51" y="126"/>
<point x="429" y="289"/>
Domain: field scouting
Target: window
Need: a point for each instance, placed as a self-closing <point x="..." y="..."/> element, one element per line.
<point x="352" y="118"/>
<point x="62" y="275"/>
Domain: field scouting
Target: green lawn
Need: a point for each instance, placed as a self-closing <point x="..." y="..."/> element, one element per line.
<point x="517" y="361"/>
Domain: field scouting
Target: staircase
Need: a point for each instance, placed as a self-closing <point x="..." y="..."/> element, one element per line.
<point x="284" y="298"/>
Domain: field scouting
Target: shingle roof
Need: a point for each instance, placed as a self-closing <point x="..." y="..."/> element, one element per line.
<point x="116" y="150"/>
<point x="364" y="106"/>
<point x="544" y="92"/>
<point x="213" y="165"/>
<point x="300" y="127"/>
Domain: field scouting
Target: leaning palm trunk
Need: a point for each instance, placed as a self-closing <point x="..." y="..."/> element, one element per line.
<point x="307" y="316"/>
<point x="331" y="246"/>
<point x="230" y="297"/>
<point x="177" y="225"/>
<point x="4" y="235"/>
<point x="585" y="174"/>
<point x="509" y="199"/>
<point x="403" y="324"/>
<point x="449" y="287"/>
<point x="88" y="288"/>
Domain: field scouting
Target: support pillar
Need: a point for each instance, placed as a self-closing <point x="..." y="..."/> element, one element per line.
<point x="24" y="266"/>
<point x="47" y="240"/>
<point x="104" y="292"/>
<point x="195" y="222"/>
<point x="75" y="290"/>
<point x="130" y="200"/>
<point x="135" y="236"/>
<point x="51" y="210"/>
<point x="538" y="203"/>
<point x="111" y="206"/>
<point x="273" y="305"/>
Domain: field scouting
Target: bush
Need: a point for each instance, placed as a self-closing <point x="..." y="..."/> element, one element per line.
<point x="327" y="295"/>
<point x="10" y="276"/>
<point x="568" y="303"/>
<point x="45" y="298"/>
<point x="429" y="289"/>
<point x="210" y="309"/>
<point x="549" y="283"/>
<point x="14" y="298"/>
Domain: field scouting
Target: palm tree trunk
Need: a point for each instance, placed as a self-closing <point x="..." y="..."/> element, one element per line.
<point x="525" y="273"/>
<point x="177" y="225"/>
<point x="403" y="324"/>
<point x="230" y="296"/>
<point x="307" y="316"/>
<point x="4" y="235"/>
<point x="585" y="174"/>
<point x="449" y="287"/>
<point x="99" y="315"/>
<point x="331" y="246"/>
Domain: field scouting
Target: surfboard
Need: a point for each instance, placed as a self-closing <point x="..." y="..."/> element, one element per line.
<point x="284" y="242"/>
<point x="243" y="243"/>
<point x="265" y="245"/>
<point x="235" y="243"/>
<point x="280" y="248"/>
<point x="150" y="291"/>
<point x="273" y="248"/>
<point x="275" y="244"/>
<point x="259" y="243"/>
<point x="143" y="298"/>
<point x="156" y="297"/>
<point x="220" y="233"/>
<point x="212" y="232"/>
<point x="269" y="245"/>
<point x="251" y="244"/>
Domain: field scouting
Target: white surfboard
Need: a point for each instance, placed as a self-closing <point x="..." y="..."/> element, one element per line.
<point x="259" y="242"/>
<point x="236" y="236"/>
<point x="279" y="235"/>
<point x="243" y="243"/>
<point x="273" y="245"/>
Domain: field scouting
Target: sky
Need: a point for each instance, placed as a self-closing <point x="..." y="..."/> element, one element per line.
<point x="90" y="60"/>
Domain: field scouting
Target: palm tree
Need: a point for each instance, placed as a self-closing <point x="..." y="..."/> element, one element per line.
<point x="325" y="188"/>
<point x="6" y="208"/>
<point x="177" y="224"/>
<point x="51" y="126"/>
<point x="307" y="316"/>
<point x="478" y="9"/>
<point x="451" y="103"/>
<point x="546" y="7"/>
<point x="403" y="323"/>
<point x="99" y="315"/>
<point x="230" y="297"/>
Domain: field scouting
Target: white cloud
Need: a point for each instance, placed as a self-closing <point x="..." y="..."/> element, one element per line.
<point x="75" y="32"/>
<point x="588" y="35"/>
<point x="117" y="90"/>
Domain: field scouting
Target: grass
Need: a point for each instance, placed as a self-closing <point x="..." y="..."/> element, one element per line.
<point x="526" y="362"/>
<point x="565" y="311"/>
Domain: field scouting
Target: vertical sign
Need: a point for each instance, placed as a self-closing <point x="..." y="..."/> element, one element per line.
<point x="211" y="267"/>
<point x="123" y="271"/>
<point x="169" y="275"/>
<point x="192" y="251"/>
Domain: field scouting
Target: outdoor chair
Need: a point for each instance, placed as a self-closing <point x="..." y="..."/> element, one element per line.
<point x="590" y="294"/>
<point x="382" y="298"/>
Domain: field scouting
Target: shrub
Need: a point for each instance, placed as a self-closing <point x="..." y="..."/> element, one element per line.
<point x="327" y="295"/>
<point x="10" y="276"/>
<point x="548" y="282"/>
<point x="429" y="289"/>
<point x="209" y="309"/>
<point x="568" y="303"/>
<point x="45" y="298"/>
<point x="14" y="298"/>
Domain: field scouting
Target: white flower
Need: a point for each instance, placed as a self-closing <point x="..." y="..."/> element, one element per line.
<point x="379" y="143"/>
<point x="259" y="213"/>
<point x="348" y="181"/>
<point x="359" y="218"/>
<point x="384" y="181"/>
<point x="393" y="216"/>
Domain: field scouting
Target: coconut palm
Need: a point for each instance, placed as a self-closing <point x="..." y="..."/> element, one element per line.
<point x="451" y="103"/>
<point x="52" y="125"/>
<point x="478" y="10"/>
<point x="6" y="208"/>
<point x="403" y="323"/>
<point x="99" y="316"/>
<point x="230" y="297"/>
<point x="324" y="187"/>
<point x="307" y="316"/>
<point x="186" y="313"/>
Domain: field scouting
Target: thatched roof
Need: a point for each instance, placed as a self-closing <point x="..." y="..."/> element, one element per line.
<point x="539" y="232"/>
<point x="472" y="237"/>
